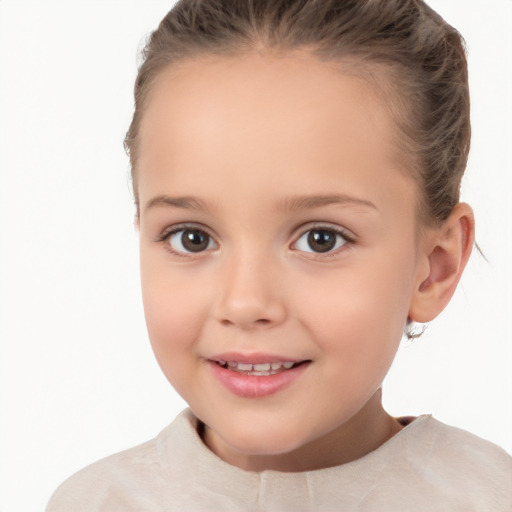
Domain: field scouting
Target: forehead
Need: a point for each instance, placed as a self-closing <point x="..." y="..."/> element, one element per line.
<point x="261" y="119"/>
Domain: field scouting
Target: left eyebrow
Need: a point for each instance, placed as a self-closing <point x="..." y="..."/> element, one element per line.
<point x="307" y="202"/>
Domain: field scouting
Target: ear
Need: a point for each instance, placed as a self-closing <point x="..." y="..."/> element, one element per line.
<point x="445" y="254"/>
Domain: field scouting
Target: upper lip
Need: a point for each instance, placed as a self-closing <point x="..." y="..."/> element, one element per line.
<point x="254" y="358"/>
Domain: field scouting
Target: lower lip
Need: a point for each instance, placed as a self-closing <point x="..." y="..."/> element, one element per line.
<point x="253" y="386"/>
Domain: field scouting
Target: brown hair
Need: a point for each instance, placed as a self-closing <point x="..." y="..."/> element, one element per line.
<point x="414" y="52"/>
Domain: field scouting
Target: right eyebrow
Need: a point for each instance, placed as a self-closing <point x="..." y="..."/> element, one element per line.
<point x="186" y="202"/>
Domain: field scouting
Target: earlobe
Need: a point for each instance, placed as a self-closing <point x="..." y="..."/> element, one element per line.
<point x="443" y="263"/>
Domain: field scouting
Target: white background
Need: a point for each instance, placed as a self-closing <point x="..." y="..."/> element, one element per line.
<point x="78" y="379"/>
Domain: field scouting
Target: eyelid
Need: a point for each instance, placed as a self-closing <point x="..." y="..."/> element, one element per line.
<point x="328" y="226"/>
<point x="182" y="226"/>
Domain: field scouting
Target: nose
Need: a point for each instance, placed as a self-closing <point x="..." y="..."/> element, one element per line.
<point x="251" y="294"/>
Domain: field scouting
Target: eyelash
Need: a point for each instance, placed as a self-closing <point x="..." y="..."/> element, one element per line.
<point x="347" y="237"/>
<point x="167" y="233"/>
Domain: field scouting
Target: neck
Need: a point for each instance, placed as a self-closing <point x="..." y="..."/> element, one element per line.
<point x="364" y="432"/>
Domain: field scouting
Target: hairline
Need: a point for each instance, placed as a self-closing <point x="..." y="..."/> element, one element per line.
<point x="377" y="74"/>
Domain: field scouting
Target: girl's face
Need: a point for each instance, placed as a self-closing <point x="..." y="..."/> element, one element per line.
<point x="275" y="227"/>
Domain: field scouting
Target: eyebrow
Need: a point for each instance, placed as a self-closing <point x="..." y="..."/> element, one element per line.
<point x="309" y="202"/>
<point x="290" y="204"/>
<point x="186" y="202"/>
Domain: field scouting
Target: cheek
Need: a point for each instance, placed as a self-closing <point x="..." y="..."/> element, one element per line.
<point x="362" y="314"/>
<point x="173" y="312"/>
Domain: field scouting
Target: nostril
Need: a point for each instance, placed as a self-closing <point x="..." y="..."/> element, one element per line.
<point x="249" y="312"/>
<point x="259" y="322"/>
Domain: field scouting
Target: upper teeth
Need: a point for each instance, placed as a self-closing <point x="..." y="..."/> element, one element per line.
<point x="261" y="367"/>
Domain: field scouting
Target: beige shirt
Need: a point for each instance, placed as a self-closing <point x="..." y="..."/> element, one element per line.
<point x="426" y="467"/>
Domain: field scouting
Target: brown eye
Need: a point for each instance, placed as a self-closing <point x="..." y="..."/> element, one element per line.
<point x="320" y="240"/>
<point x="190" y="240"/>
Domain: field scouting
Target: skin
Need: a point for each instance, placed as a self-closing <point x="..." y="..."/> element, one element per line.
<point x="244" y="137"/>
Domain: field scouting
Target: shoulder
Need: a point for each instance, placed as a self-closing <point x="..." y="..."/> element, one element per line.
<point x="460" y="465"/>
<point x="103" y="483"/>
<point x="454" y="444"/>
<point x="119" y="482"/>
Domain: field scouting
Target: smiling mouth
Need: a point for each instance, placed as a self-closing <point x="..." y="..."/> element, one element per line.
<point x="259" y="369"/>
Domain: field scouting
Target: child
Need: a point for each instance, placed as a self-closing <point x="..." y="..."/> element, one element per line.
<point x="296" y="168"/>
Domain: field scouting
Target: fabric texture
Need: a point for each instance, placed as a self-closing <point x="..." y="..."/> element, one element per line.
<point x="427" y="467"/>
